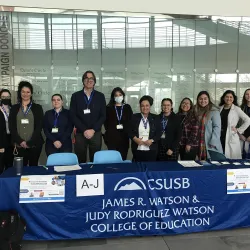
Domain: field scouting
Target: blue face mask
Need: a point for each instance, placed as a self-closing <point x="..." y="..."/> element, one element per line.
<point x="119" y="99"/>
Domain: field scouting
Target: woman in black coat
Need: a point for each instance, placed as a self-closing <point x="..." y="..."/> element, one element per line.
<point x="3" y="141"/>
<point x="57" y="127"/>
<point x="118" y="114"/>
<point x="5" y="107"/>
<point x="26" y="122"/>
<point x="171" y="132"/>
<point x="145" y="131"/>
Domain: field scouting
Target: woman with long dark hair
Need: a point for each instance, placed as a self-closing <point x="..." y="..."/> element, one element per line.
<point x="231" y="114"/>
<point x="171" y="129"/>
<point x="118" y="114"/>
<point x="185" y="106"/>
<point x="5" y="107"/>
<point x="245" y="137"/>
<point x="26" y="122"/>
<point x="209" y="126"/>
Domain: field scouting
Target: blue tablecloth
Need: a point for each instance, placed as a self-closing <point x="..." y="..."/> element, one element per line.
<point x="139" y="199"/>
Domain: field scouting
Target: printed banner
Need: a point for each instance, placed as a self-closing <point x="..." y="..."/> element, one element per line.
<point x="42" y="188"/>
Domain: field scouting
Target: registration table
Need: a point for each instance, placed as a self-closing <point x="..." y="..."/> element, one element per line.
<point x="136" y="199"/>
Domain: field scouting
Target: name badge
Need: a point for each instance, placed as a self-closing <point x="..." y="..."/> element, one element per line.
<point x="120" y="126"/>
<point x="25" y="121"/>
<point x="54" y="130"/>
<point x="163" y="136"/>
<point x="86" y="111"/>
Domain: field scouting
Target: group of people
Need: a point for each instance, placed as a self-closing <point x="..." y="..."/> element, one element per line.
<point x="194" y="133"/>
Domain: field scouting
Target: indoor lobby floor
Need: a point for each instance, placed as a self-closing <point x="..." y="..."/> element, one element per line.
<point x="238" y="239"/>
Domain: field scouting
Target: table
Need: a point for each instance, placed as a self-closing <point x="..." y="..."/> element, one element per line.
<point x="139" y="199"/>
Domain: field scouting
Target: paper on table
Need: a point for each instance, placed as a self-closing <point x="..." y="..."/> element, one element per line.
<point x="247" y="163"/>
<point x="225" y="162"/>
<point x="189" y="164"/>
<point x="236" y="163"/>
<point x="216" y="162"/>
<point x="67" y="168"/>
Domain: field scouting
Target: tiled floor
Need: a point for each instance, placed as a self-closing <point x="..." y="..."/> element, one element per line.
<point x="220" y="240"/>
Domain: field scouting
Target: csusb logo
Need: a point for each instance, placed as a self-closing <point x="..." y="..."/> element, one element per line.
<point x="133" y="183"/>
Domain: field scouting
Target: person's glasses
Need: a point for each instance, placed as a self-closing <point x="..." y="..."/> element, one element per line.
<point x="91" y="79"/>
<point x="5" y="98"/>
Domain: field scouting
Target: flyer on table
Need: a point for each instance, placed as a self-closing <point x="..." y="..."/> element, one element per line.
<point x="42" y="188"/>
<point x="238" y="181"/>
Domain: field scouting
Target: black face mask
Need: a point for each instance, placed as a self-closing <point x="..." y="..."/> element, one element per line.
<point x="6" y="102"/>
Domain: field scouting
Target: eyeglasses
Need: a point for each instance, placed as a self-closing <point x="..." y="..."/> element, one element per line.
<point x="5" y="98"/>
<point x="91" y="79"/>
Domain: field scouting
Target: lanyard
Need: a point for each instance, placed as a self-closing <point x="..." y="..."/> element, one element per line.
<point x="88" y="101"/>
<point x="27" y="110"/>
<point x="117" y="115"/>
<point x="5" y="112"/>
<point x="164" y="123"/>
<point x="56" y="118"/>
<point x="145" y="122"/>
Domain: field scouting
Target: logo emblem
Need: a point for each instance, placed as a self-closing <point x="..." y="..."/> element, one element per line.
<point x="130" y="183"/>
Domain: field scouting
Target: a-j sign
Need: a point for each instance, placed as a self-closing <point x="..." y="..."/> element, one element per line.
<point x="5" y="50"/>
<point x="143" y="203"/>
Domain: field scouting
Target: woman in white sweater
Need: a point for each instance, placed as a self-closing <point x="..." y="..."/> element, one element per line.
<point x="231" y="114"/>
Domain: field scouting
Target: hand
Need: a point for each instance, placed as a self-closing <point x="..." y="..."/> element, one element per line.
<point x="170" y="152"/>
<point x="138" y="141"/>
<point x="188" y="148"/>
<point x="243" y="138"/>
<point x="2" y="150"/>
<point x="57" y="144"/>
<point x="89" y="133"/>
<point x="248" y="138"/>
<point x="23" y="144"/>
<point x="211" y="146"/>
<point x="148" y="143"/>
<point x="234" y="129"/>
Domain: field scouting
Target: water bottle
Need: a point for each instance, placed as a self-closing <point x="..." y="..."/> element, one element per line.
<point x="18" y="165"/>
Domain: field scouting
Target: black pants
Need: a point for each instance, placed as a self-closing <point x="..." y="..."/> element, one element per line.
<point x="140" y="155"/>
<point x="123" y="151"/>
<point x="1" y="163"/>
<point x="8" y="154"/>
<point x="188" y="156"/>
<point x="30" y="155"/>
<point x="82" y="144"/>
<point x="51" y="149"/>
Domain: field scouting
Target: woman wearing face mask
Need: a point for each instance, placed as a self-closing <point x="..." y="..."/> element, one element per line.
<point x="6" y="150"/>
<point x="231" y="114"/>
<point x="169" y="142"/>
<point x="26" y="123"/>
<point x="209" y="126"/>
<point x="118" y="114"/>
<point x="145" y="131"/>
<point x="57" y="127"/>
<point x="245" y="137"/>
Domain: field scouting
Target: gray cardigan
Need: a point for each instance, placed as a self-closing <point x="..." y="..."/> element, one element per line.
<point x="213" y="131"/>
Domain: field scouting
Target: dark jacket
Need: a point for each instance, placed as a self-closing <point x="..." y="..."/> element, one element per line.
<point x="247" y="131"/>
<point x="114" y="136"/>
<point x="36" y="139"/>
<point x="97" y="107"/>
<point x="154" y="132"/>
<point x="3" y="133"/>
<point x="64" y="125"/>
<point x="172" y="131"/>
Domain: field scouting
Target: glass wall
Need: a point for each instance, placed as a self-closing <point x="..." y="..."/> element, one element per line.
<point x="157" y="56"/>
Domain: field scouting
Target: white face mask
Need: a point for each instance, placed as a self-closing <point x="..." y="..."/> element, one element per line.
<point x="118" y="99"/>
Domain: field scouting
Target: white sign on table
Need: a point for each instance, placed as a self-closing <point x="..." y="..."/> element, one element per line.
<point x="238" y="181"/>
<point x="42" y="188"/>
